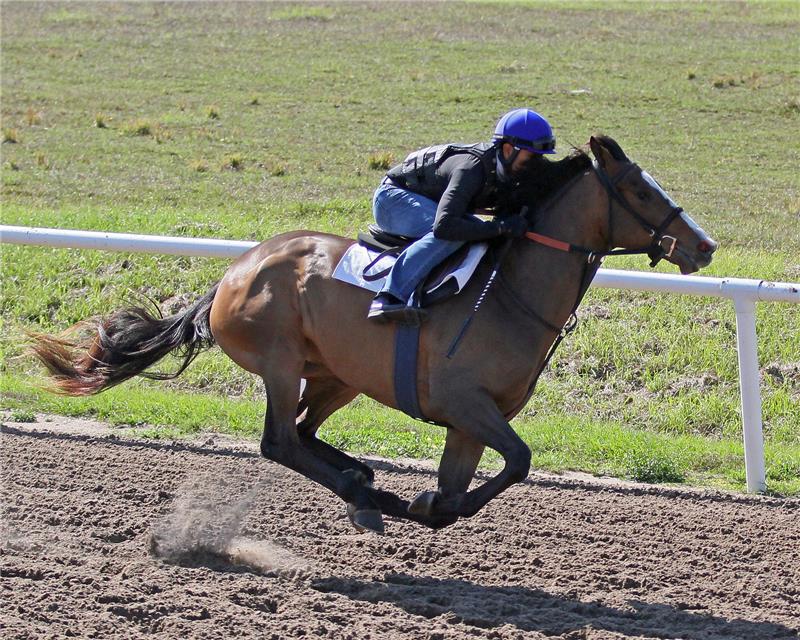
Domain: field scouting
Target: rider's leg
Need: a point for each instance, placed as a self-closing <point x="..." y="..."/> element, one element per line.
<point x="403" y="212"/>
<point x="416" y="262"/>
<point x="410" y="214"/>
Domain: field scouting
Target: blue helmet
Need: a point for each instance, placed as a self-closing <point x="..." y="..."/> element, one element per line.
<point x="525" y="129"/>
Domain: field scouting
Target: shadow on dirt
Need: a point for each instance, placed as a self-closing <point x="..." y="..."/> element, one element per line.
<point x="534" y="610"/>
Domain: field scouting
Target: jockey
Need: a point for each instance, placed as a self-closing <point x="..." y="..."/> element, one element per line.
<point x="433" y="194"/>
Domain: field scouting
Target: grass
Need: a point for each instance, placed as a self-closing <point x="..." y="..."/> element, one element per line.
<point x="10" y="136"/>
<point x="558" y="441"/>
<point x="248" y="131"/>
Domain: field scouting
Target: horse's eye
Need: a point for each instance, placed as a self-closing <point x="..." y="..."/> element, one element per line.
<point x="642" y="195"/>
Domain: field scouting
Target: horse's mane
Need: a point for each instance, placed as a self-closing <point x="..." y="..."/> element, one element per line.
<point x="543" y="178"/>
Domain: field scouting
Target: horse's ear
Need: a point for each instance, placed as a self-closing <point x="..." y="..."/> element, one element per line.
<point x="603" y="155"/>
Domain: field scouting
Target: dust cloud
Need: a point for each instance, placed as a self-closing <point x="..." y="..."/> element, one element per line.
<point x="204" y="528"/>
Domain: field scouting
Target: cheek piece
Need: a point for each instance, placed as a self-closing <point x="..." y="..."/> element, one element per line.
<point x="662" y="245"/>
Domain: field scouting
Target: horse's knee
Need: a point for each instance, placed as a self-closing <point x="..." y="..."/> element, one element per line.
<point x="518" y="464"/>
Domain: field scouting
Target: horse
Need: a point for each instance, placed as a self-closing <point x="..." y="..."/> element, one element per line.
<point x="278" y="313"/>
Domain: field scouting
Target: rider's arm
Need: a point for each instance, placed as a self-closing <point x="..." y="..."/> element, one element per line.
<point x="454" y="218"/>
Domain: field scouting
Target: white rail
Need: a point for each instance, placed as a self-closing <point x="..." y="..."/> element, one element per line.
<point x="744" y="293"/>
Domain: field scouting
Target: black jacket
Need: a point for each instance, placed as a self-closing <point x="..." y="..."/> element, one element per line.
<point x="461" y="178"/>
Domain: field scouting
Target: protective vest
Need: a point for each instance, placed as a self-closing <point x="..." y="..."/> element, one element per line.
<point x="417" y="172"/>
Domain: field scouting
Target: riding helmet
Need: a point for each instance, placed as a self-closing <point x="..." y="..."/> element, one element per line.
<point x="525" y="129"/>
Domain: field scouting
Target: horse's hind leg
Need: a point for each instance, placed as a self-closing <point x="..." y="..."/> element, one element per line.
<point x="322" y="397"/>
<point x="281" y="442"/>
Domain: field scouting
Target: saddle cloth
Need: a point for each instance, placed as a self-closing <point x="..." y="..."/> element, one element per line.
<point x="351" y="269"/>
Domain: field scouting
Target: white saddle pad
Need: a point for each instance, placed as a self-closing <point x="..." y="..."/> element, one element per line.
<point x="351" y="267"/>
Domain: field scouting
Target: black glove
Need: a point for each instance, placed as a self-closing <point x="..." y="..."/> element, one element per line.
<point x="514" y="226"/>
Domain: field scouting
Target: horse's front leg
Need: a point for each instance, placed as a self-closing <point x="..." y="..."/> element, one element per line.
<point x="460" y="459"/>
<point x="300" y="450"/>
<point x="481" y="425"/>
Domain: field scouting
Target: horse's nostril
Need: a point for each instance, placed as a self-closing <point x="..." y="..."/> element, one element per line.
<point x="706" y="247"/>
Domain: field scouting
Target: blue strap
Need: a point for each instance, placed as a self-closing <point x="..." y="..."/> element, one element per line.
<point x="405" y="370"/>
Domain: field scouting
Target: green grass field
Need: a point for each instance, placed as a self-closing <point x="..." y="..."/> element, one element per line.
<point x="242" y="120"/>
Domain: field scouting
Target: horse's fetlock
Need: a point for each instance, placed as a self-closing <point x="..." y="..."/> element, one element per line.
<point x="266" y="451"/>
<point x="270" y="450"/>
<point x="351" y="484"/>
<point x="519" y="464"/>
<point x="425" y="503"/>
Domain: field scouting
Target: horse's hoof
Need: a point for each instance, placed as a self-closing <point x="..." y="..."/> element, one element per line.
<point x="424" y="503"/>
<point x="365" y="519"/>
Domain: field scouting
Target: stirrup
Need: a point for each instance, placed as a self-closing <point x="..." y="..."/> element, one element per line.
<point x="411" y="316"/>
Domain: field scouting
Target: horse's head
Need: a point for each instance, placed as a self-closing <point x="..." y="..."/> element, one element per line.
<point x="641" y="214"/>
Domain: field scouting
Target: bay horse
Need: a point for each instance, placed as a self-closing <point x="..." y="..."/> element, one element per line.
<point x="278" y="313"/>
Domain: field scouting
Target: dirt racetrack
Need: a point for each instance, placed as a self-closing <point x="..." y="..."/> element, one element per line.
<point x="109" y="537"/>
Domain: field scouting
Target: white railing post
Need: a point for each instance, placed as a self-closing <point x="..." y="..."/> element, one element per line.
<point x="750" y="390"/>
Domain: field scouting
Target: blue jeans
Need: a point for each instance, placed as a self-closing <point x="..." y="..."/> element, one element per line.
<point x="410" y="214"/>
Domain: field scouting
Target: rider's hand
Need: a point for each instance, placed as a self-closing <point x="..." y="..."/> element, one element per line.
<point x="514" y="226"/>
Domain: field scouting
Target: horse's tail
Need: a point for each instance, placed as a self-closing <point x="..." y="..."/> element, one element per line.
<point x="110" y="350"/>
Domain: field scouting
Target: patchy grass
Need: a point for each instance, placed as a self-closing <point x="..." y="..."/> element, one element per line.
<point x="10" y="136"/>
<point x="274" y="169"/>
<point x="652" y="466"/>
<point x="233" y="161"/>
<point x="380" y="161"/>
<point x="199" y="165"/>
<point x="32" y="117"/>
<point x="138" y="127"/>
<point x="23" y="415"/>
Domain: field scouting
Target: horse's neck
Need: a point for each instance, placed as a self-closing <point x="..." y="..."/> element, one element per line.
<point x="547" y="279"/>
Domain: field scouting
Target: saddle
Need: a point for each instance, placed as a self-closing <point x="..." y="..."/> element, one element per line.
<point x="377" y="238"/>
<point x="433" y="289"/>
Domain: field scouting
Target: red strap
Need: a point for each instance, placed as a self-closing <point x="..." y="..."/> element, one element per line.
<point x="548" y="241"/>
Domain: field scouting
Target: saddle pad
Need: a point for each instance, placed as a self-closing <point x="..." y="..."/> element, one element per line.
<point x="351" y="267"/>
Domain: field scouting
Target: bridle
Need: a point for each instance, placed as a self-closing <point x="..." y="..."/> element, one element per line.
<point x="656" y="251"/>
<point x="661" y="245"/>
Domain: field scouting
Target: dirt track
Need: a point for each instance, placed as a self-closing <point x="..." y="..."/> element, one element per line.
<point x="104" y="536"/>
